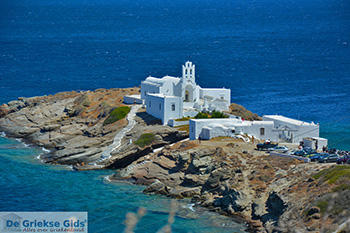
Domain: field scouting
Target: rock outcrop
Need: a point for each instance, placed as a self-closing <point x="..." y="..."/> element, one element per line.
<point x="70" y="125"/>
<point x="232" y="178"/>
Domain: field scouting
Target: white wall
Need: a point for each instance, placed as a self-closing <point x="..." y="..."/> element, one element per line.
<point x="188" y="113"/>
<point x="219" y="105"/>
<point x="298" y="131"/>
<point x="167" y="88"/>
<point x="148" y="88"/>
<point x="196" y="125"/>
<point x="253" y="128"/>
<point x="218" y="93"/>
<point x="129" y="99"/>
<point x="155" y="106"/>
<point x="208" y="133"/>
<point x="170" y="113"/>
<point x="174" y="123"/>
<point x="209" y="128"/>
<point x="161" y="107"/>
<point x="311" y="143"/>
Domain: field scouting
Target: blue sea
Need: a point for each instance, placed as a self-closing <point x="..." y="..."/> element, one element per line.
<point x="288" y="57"/>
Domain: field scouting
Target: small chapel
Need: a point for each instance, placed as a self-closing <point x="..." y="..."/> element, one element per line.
<point x="170" y="97"/>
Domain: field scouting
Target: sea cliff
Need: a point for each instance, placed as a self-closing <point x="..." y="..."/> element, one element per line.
<point x="223" y="174"/>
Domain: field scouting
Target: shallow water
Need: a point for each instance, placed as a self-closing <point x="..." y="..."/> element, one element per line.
<point x="28" y="185"/>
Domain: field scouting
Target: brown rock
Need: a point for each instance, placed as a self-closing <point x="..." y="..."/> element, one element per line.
<point x="157" y="187"/>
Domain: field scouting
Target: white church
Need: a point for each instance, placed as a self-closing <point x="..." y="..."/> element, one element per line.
<point x="171" y="98"/>
<point x="176" y="97"/>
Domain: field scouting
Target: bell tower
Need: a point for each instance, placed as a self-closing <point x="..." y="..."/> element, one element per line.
<point x="188" y="72"/>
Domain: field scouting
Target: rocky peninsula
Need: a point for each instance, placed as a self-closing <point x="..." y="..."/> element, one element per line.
<point x="226" y="175"/>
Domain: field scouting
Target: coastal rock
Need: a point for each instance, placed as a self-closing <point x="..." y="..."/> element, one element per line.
<point x="181" y="192"/>
<point x="157" y="187"/>
<point x="233" y="199"/>
<point x="66" y="123"/>
<point x="191" y="180"/>
<point x="215" y="179"/>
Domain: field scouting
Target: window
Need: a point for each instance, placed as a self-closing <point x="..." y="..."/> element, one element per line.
<point x="262" y="131"/>
<point x="173" y="107"/>
<point x="187" y="96"/>
<point x="233" y="131"/>
<point x="160" y="106"/>
<point x="149" y="104"/>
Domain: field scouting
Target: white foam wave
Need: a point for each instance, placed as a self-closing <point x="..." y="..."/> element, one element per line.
<point x="2" y="134"/>
<point x="190" y="206"/>
<point x="46" y="150"/>
<point x="107" y="178"/>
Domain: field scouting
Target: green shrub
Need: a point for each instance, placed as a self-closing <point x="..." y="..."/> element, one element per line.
<point x="217" y="114"/>
<point x="183" y="119"/>
<point x="201" y="115"/>
<point x="213" y="114"/>
<point x="323" y="205"/>
<point x="145" y="139"/>
<point x="341" y="188"/>
<point x="333" y="174"/>
<point x="117" y="114"/>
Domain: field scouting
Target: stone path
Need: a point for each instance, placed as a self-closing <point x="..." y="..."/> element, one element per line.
<point x="121" y="134"/>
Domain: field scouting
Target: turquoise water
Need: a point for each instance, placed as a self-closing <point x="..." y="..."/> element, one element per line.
<point x="29" y="185"/>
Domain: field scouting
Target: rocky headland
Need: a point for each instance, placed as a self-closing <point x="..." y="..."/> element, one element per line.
<point x="272" y="194"/>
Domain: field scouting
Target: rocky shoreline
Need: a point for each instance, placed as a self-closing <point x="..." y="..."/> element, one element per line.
<point x="225" y="175"/>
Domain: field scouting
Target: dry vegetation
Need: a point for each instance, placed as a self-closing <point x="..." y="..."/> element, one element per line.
<point x="241" y="111"/>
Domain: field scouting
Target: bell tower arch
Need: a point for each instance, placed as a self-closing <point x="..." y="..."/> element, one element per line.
<point x="188" y="72"/>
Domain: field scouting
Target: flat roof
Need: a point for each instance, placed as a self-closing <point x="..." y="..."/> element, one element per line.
<point x="216" y="119"/>
<point x="287" y="119"/>
<point x="234" y="120"/>
<point x="134" y="96"/>
<point x="316" y="138"/>
<point x="160" y="81"/>
<point x="160" y="95"/>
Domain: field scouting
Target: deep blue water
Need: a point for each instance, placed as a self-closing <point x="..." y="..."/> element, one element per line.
<point x="288" y="57"/>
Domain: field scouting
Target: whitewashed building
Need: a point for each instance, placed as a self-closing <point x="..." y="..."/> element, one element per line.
<point x="291" y="130"/>
<point x="315" y="143"/>
<point x="172" y="97"/>
<point x="209" y="128"/>
<point x="274" y="127"/>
